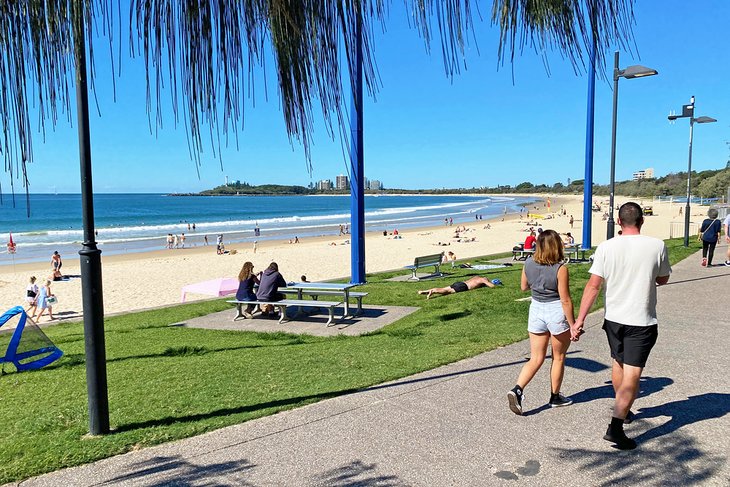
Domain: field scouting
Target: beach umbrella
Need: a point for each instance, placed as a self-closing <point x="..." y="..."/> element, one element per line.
<point x="223" y="286"/>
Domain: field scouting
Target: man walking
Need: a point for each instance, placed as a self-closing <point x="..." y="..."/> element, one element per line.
<point x="631" y="266"/>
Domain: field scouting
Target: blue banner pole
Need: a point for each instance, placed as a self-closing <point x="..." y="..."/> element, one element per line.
<point x="588" y="180"/>
<point x="357" y="188"/>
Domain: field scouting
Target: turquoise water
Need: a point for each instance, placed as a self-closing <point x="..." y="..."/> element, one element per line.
<point x="140" y="222"/>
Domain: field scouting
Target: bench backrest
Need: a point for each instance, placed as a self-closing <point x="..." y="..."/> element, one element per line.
<point x="426" y="260"/>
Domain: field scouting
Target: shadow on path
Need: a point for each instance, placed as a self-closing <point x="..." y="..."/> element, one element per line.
<point x="358" y="474"/>
<point x="181" y="473"/>
<point x="685" y="412"/>
<point x="675" y="460"/>
<point x="647" y="386"/>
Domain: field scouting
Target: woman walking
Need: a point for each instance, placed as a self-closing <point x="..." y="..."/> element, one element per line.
<point x="550" y="318"/>
<point x="709" y="235"/>
<point x="31" y="296"/>
<point x="43" y="301"/>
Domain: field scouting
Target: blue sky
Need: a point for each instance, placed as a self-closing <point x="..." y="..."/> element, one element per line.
<point x="427" y="131"/>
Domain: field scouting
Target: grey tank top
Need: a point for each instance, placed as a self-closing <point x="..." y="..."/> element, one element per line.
<point x="543" y="280"/>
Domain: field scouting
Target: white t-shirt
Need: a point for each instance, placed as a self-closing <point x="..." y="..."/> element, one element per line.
<point x="727" y="224"/>
<point x="630" y="265"/>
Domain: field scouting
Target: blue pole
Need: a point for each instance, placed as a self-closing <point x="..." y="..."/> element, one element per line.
<point x="357" y="189"/>
<point x="588" y="180"/>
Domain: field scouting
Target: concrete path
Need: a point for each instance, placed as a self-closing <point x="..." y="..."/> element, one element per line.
<point x="451" y="425"/>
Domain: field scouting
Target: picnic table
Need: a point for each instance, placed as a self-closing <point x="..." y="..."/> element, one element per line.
<point x="342" y="287"/>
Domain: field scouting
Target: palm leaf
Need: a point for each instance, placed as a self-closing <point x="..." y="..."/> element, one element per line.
<point x="203" y="53"/>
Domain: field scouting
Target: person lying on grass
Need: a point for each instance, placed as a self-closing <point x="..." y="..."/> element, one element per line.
<point x="459" y="286"/>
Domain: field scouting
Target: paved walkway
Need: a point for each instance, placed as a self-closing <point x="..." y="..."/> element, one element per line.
<point x="451" y="425"/>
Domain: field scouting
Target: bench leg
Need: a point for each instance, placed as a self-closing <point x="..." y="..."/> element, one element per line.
<point x="359" y="306"/>
<point x="282" y="312"/>
<point x="332" y="315"/>
<point x="413" y="274"/>
<point x="239" y="312"/>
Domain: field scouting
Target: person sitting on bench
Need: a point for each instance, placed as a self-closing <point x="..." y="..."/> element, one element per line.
<point x="530" y="241"/>
<point x="246" y="279"/>
<point x="271" y="281"/>
<point x="459" y="286"/>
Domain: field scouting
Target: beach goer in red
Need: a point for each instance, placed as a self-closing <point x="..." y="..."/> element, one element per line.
<point x="530" y="241"/>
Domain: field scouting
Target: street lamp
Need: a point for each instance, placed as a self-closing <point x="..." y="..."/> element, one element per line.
<point x="688" y="111"/>
<point x="636" y="71"/>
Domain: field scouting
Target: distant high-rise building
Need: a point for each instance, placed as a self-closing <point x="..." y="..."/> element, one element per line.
<point x="367" y="184"/>
<point x="375" y="185"/>
<point x="324" y="185"/>
<point x="342" y="182"/>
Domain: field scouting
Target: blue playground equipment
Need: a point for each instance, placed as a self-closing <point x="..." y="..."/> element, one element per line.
<point x="28" y="347"/>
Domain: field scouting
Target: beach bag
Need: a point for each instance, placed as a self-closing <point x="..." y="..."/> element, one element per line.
<point x="51" y="300"/>
<point x="31" y="293"/>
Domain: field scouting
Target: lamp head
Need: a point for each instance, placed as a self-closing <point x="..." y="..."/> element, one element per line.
<point x="704" y="120"/>
<point x="637" y="71"/>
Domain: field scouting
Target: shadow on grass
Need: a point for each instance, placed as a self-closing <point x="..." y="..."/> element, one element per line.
<point x="73" y="360"/>
<point x="455" y="316"/>
<point x="175" y="470"/>
<point x="358" y="474"/>
<point x="300" y="400"/>
<point x="675" y="460"/>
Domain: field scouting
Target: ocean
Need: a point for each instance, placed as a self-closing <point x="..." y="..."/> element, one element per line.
<point x="140" y="222"/>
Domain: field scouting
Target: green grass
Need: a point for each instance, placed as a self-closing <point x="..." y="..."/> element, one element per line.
<point x="167" y="383"/>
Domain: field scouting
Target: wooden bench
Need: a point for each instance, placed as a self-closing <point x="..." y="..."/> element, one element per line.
<point x="426" y="261"/>
<point x="282" y="305"/>
<point x="315" y="293"/>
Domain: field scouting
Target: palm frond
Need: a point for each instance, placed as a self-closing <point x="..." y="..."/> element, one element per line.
<point x="203" y="53"/>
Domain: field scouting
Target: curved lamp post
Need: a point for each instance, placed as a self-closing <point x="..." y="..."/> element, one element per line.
<point x="636" y="71"/>
<point x="688" y="111"/>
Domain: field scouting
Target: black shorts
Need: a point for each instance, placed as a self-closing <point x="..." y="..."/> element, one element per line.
<point x="459" y="287"/>
<point x="630" y="345"/>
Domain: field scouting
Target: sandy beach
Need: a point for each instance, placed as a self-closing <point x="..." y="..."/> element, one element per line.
<point x="145" y="280"/>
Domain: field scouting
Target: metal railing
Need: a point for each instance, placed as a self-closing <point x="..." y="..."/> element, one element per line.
<point x="676" y="229"/>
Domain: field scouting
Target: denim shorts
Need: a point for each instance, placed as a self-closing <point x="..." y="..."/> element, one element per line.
<point x="547" y="317"/>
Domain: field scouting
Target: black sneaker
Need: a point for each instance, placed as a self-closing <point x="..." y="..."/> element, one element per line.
<point x="727" y="263"/>
<point x="515" y="401"/>
<point x="620" y="439"/>
<point x="560" y="400"/>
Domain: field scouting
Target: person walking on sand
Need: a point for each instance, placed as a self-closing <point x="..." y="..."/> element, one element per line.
<point x="255" y="245"/>
<point x="571" y="221"/>
<point x="31" y="296"/>
<point x="175" y="241"/>
<point x="631" y="267"/>
<point x="549" y="320"/>
<point x="43" y="304"/>
<point x="182" y="240"/>
<point x="459" y="287"/>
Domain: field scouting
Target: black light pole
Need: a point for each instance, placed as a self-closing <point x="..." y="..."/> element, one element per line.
<point x="92" y="298"/>
<point x="612" y="184"/>
<point x="688" y="111"/>
<point x="631" y="72"/>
